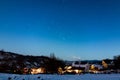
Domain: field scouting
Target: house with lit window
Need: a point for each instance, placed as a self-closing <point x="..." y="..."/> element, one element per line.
<point x="77" y="67"/>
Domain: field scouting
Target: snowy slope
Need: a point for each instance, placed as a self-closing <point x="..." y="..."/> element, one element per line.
<point x="60" y="77"/>
<point x="10" y="61"/>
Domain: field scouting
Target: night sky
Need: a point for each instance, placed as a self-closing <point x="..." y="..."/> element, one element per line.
<point x="72" y="29"/>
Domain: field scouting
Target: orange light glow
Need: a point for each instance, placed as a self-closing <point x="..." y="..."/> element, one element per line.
<point x="37" y="71"/>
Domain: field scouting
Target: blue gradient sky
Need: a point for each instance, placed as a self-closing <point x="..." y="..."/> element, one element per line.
<point x="72" y="29"/>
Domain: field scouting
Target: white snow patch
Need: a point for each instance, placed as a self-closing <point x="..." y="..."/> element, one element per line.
<point x="60" y="77"/>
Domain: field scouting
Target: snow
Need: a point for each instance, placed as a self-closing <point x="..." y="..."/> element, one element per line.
<point x="1" y="57"/>
<point x="60" y="77"/>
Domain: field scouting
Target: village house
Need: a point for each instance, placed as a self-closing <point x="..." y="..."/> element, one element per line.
<point x="40" y="70"/>
<point x="77" y="67"/>
<point x="107" y="63"/>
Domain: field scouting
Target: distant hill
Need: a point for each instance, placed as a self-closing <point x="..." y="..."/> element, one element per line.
<point x="12" y="61"/>
<point x="15" y="63"/>
<point x="9" y="60"/>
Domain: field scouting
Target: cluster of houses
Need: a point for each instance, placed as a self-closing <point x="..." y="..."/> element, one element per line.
<point x="20" y="64"/>
<point x="78" y="67"/>
<point x="95" y="67"/>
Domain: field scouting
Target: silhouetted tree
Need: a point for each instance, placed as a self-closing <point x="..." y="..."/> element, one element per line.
<point x="53" y="64"/>
<point x="117" y="62"/>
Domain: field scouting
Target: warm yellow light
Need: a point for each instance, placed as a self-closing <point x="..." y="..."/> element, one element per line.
<point x="70" y="71"/>
<point x="76" y="71"/>
<point x="60" y="71"/>
<point x="105" y="65"/>
<point x="37" y="71"/>
<point x="69" y="67"/>
<point x="92" y="67"/>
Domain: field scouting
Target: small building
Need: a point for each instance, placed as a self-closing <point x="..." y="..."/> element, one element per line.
<point x="83" y="66"/>
<point x="96" y="67"/>
<point x="77" y="67"/>
<point x="40" y="70"/>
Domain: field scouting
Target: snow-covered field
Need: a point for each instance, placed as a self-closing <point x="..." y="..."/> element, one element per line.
<point x="60" y="77"/>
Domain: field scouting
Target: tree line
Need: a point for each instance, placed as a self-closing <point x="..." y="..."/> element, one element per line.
<point x="51" y="63"/>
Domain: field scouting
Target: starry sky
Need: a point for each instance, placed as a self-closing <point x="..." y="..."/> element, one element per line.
<point x="71" y="29"/>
